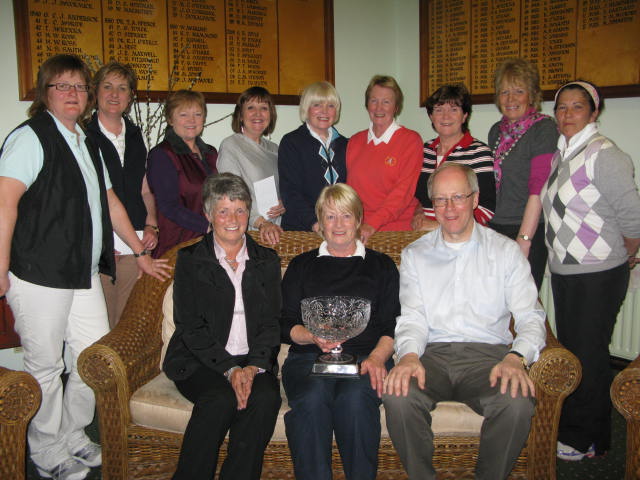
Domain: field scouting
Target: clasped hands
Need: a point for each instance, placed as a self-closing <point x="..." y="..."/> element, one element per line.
<point x="241" y="380"/>
<point x="509" y="372"/>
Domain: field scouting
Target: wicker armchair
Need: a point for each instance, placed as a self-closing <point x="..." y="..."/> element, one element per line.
<point x="128" y="357"/>
<point x="625" y="393"/>
<point x="19" y="401"/>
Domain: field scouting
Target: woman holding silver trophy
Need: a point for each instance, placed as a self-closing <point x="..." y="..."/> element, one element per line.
<point x="324" y="405"/>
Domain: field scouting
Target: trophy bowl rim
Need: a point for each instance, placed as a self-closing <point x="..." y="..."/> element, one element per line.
<point x="308" y="300"/>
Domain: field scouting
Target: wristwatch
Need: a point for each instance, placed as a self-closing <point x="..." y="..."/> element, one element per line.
<point x="228" y="373"/>
<point x="525" y="237"/>
<point x="142" y="253"/>
<point x="522" y="359"/>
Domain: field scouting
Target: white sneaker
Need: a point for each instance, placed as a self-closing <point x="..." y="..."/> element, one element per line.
<point x="70" y="469"/>
<point x="89" y="455"/>
<point x="566" y="452"/>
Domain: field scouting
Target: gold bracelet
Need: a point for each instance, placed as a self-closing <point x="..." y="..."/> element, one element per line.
<point x="153" y="227"/>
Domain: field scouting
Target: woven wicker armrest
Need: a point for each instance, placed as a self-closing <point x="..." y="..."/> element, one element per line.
<point x="625" y="394"/>
<point x="19" y="401"/>
<point x="556" y="374"/>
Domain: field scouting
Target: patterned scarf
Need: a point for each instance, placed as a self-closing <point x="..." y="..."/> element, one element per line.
<point x="510" y="133"/>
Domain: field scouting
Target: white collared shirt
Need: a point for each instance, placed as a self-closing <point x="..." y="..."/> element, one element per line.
<point x="323" y="250"/>
<point x="567" y="148"/>
<point x="237" y="343"/>
<point x="117" y="140"/>
<point x="326" y="142"/>
<point x="385" y="137"/>
<point x="468" y="295"/>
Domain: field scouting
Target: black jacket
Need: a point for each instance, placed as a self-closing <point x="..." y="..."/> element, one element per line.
<point x="203" y="303"/>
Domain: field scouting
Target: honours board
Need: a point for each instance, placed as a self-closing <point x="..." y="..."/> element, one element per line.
<point x="221" y="47"/>
<point x="465" y="40"/>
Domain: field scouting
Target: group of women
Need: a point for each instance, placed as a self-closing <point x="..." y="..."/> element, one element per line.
<point x="92" y="197"/>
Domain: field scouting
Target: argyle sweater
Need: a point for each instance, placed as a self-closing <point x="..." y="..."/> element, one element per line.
<point x="590" y="202"/>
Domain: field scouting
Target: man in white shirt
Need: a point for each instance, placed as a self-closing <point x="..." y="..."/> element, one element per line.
<point x="459" y="287"/>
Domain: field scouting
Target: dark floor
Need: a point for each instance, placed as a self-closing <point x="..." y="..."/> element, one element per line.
<point x="608" y="467"/>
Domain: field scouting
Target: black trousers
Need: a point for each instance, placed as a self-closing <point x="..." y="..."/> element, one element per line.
<point x="537" y="253"/>
<point x="214" y="413"/>
<point x="586" y="307"/>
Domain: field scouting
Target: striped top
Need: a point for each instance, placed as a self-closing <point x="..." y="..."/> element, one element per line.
<point x="468" y="151"/>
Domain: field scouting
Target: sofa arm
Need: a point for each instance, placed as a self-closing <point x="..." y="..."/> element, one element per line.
<point x="556" y="374"/>
<point x="625" y="394"/>
<point x="20" y="398"/>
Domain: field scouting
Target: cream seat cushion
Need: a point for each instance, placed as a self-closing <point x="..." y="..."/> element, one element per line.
<point x="159" y="405"/>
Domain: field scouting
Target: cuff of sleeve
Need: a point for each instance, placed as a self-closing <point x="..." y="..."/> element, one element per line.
<point x="409" y="347"/>
<point x="529" y="353"/>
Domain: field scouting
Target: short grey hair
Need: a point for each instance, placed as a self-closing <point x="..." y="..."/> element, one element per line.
<point x="221" y="185"/>
<point x="472" y="178"/>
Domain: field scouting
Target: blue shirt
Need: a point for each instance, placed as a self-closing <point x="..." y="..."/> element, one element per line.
<point x="468" y="294"/>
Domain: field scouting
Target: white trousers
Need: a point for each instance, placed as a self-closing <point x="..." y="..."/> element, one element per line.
<point x="49" y="320"/>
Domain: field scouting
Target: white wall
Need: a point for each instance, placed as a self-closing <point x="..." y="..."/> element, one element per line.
<point x="371" y="36"/>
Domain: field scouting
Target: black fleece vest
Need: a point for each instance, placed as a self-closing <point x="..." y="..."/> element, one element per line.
<point x="126" y="180"/>
<point x="52" y="239"/>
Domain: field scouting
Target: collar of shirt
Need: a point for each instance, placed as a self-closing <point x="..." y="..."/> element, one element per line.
<point x="241" y="257"/>
<point x="77" y="137"/>
<point x="442" y="244"/>
<point x="117" y="140"/>
<point x="567" y="148"/>
<point x="333" y="133"/>
<point x="323" y="251"/>
<point x="385" y="137"/>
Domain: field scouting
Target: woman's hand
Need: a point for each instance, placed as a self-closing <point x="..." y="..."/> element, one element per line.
<point x="157" y="268"/>
<point x="302" y="336"/>
<point x="366" y="231"/>
<point x="242" y="381"/>
<point x="149" y="238"/>
<point x="374" y="366"/>
<point x="275" y="212"/>
<point x="4" y="284"/>
<point x="269" y="232"/>
<point x="525" y="246"/>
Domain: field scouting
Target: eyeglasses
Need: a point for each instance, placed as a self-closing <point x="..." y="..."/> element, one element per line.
<point x="65" y="87"/>
<point x="457" y="200"/>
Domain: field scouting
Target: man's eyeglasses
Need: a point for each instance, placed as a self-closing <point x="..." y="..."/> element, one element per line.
<point x="65" y="87"/>
<point x="457" y="200"/>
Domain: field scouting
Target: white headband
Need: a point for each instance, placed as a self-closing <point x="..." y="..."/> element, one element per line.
<point x="587" y="86"/>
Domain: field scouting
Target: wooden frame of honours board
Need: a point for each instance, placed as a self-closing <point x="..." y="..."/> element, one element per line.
<point x="463" y="41"/>
<point x="227" y="45"/>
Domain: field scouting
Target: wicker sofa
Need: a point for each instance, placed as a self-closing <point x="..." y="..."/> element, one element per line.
<point x="625" y="394"/>
<point x="126" y="361"/>
<point x="20" y="398"/>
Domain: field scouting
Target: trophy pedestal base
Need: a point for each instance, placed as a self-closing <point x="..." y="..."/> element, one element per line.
<point x="342" y="370"/>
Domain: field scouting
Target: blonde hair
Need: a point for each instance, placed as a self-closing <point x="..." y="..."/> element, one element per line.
<point x="343" y="198"/>
<point x="318" y="92"/>
<point x="518" y="71"/>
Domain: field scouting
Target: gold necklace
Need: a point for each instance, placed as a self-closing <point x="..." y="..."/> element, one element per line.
<point x="232" y="263"/>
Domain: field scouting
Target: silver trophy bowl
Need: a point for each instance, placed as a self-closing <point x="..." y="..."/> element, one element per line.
<point x="336" y="319"/>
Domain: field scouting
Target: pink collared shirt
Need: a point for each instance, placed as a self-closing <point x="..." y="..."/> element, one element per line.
<point x="237" y="343"/>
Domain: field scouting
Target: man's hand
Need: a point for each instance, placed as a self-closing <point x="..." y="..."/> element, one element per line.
<point x="512" y="376"/>
<point x="374" y="366"/>
<point x="397" y="382"/>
